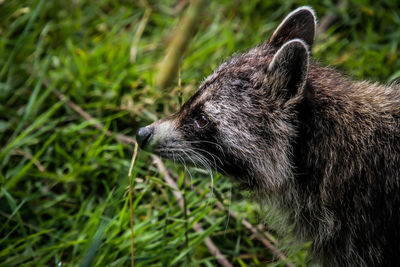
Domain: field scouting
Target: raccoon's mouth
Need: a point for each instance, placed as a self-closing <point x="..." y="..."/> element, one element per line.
<point x="178" y="155"/>
<point x="190" y="156"/>
<point x="173" y="154"/>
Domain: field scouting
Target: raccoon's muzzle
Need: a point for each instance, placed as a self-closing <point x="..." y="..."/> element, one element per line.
<point x="144" y="135"/>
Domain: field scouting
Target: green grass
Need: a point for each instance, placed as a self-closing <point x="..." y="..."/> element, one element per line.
<point x="64" y="182"/>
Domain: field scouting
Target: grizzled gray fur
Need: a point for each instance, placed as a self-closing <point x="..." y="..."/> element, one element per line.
<point x="321" y="147"/>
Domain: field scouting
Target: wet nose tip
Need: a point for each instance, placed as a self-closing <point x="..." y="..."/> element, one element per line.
<point x="144" y="135"/>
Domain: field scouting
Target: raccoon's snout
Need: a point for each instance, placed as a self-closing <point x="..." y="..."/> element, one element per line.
<point x="144" y="136"/>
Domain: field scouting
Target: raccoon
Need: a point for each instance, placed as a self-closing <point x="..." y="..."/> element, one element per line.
<point x="323" y="148"/>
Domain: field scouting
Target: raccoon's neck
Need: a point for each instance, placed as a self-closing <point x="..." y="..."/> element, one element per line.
<point x="344" y="130"/>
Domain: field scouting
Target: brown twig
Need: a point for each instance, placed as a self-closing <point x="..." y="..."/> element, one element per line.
<point x="120" y="137"/>
<point x="30" y="157"/>
<point x="257" y="234"/>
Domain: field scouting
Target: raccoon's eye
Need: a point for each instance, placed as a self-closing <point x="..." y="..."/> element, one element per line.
<point x="201" y="121"/>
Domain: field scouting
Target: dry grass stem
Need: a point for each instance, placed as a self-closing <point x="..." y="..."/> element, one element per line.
<point x="30" y="157"/>
<point x="170" y="64"/>
<point x="131" y="204"/>
<point x="139" y="32"/>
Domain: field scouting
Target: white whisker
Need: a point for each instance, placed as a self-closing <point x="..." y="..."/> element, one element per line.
<point x="184" y="154"/>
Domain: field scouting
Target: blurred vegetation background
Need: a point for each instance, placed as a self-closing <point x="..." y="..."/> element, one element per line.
<point x="64" y="179"/>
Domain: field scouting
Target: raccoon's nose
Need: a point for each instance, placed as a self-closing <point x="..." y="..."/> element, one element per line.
<point x="143" y="136"/>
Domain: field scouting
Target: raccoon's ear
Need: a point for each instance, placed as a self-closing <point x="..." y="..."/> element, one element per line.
<point x="289" y="67"/>
<point x="301" y="24"/>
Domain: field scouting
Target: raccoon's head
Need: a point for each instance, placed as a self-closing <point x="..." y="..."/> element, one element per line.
<point x="242" y="120"/>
